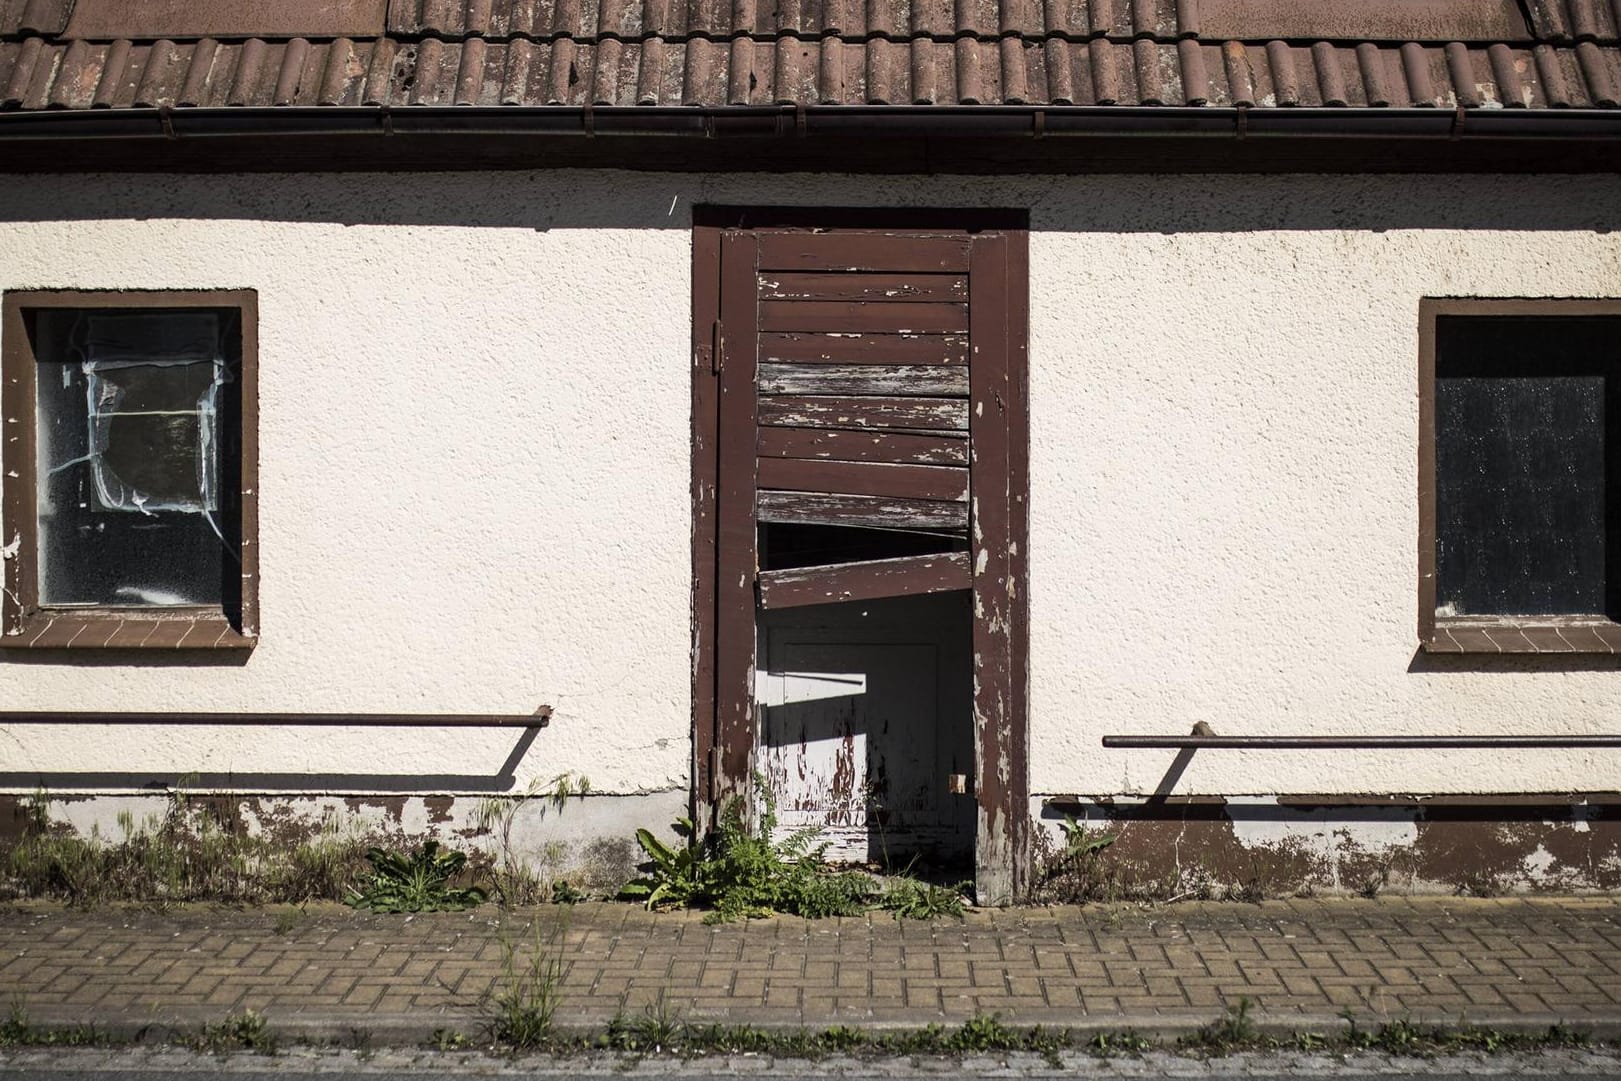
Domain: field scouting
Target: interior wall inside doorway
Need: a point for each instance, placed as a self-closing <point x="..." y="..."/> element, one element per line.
<point x="866" y="712"/>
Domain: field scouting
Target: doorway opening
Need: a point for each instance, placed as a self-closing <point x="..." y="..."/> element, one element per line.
<point x="859" y="503"/>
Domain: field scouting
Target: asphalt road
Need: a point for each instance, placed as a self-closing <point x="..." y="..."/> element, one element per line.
<point x="392" y="1065"/>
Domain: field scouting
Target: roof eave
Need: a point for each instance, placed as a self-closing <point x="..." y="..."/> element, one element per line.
<point x="1027" y="132"/>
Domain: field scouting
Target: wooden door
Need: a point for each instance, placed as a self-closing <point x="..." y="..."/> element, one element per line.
<point x="863" y="386"/>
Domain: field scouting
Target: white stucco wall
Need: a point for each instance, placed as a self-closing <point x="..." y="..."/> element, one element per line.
<point x="474" y="466"/>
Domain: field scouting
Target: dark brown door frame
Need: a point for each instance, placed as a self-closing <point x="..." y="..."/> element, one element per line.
<point x="723" y="612"/>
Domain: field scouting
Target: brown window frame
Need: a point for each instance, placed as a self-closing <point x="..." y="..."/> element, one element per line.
<point x="24" y="622"/>
<point x="1489" y="634"/>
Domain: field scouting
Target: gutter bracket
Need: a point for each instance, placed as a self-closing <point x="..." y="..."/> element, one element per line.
<point x="166" y="119"/>
<point x="1457" y="123"/>
<point x="387" y="118"/>
<point x="588" y="120"/>
<point x="801" y="121"/>
<point x="1038" y="124"/>
<point x="1242" y="120"/>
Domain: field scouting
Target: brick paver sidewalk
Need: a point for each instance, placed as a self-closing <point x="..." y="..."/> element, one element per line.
<point x="1508" y="963"/>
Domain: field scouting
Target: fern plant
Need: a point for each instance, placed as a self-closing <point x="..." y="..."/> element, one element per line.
<point x="416" y="882"/>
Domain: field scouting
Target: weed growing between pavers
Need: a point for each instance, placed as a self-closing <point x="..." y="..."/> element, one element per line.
<point x="245" y="1031"/>
<point x="1235" y="1031"/>
<point x="656" y="1032"/>
<point x="520" y="1006"/>
<point x="420" y="881"/>
<point x="525" y="1026"/>
<point x="738" y="873"/>
<point x="15" y="1031"/>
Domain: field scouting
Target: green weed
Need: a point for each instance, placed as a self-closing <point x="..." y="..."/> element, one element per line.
<point x="417" y="882"/>
<point x="15" y="1031"/>
<point x="1232" y="1031"/>
<point x="565" y="892"/>
<point x="739" y="872"/>
<point x="245" y="1031"/>
<point x="1112" y="1044"/>
<point x="198" y="849"/>
<point x="908" y="898"/>
<point x="521" y="1006"/>
<point x="512" y="880"/>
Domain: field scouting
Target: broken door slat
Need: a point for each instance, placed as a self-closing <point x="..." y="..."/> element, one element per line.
<point x="844" y="286"/>
<point x="862" y="511"/>
<point x="833" y="445"/>
<point x="801" y="348"/>
<point x="902" y="577"/>
<point x="920" y="380"/>
<point x="880" y="252"/>
<point x="944" y="414"/>
<point x="944" y="482"/>
<point x="863" y="316"/>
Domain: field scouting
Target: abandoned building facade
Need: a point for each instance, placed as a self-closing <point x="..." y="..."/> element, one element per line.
<point x="1189" y="418"/>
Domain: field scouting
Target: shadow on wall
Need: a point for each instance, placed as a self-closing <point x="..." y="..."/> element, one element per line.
<point x="1513" y="662"/>
<point x="504" y="779"/>
<point x="604" y="199"/>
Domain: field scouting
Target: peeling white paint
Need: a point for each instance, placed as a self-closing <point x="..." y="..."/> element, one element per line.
<point x="1538" y="863"/>
<point x="1326" y="831"/>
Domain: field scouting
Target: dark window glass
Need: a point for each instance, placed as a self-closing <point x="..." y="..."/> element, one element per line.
<point x="1525" y="427"/>
<point x="137" y="428"/>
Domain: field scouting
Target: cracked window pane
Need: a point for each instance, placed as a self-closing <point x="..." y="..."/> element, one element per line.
<point x="135" y="413"/>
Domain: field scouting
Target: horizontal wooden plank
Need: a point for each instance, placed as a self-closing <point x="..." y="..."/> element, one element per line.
<point x="878" y="252"/>
<point x="845" y="286"/>
<point x="800" y="348"/>
<point x="947" y="414"/>
<point x="865" y="316"/>
<point x="833" y="445"/>
<point x="949" y="482"/>
<point x="862" y="511"/>
<point x="908" y="380"/>
<point x="903" y="577"/>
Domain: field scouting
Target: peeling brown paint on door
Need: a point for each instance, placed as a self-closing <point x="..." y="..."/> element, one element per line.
<point x="839" y="358"/>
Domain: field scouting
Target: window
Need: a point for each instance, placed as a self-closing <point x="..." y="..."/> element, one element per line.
<point x="1520" y="508"/>
<point x="129" y="433"/>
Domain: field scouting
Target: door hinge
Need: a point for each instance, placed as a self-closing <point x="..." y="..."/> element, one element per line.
<point x="717" y="348"/>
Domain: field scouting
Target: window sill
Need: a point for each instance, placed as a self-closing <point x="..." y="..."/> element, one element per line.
<point x="1524" y="634"/>
<point x="124" y="629"/>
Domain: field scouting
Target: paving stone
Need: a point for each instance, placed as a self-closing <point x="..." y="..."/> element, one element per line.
<point x="1448" y="958"/>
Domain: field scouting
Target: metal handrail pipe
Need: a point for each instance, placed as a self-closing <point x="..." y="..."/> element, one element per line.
<point x="540" y="719"/>
<point x="1326" y="743"/>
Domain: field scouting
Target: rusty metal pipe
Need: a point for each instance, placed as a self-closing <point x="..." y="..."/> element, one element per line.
<point x="1322" y="743"/>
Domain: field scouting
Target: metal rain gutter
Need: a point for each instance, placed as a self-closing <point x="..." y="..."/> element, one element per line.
<point x="945" y="122"/>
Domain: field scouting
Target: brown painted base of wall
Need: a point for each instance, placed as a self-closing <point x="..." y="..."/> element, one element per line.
<point x="1298" y="845"/>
